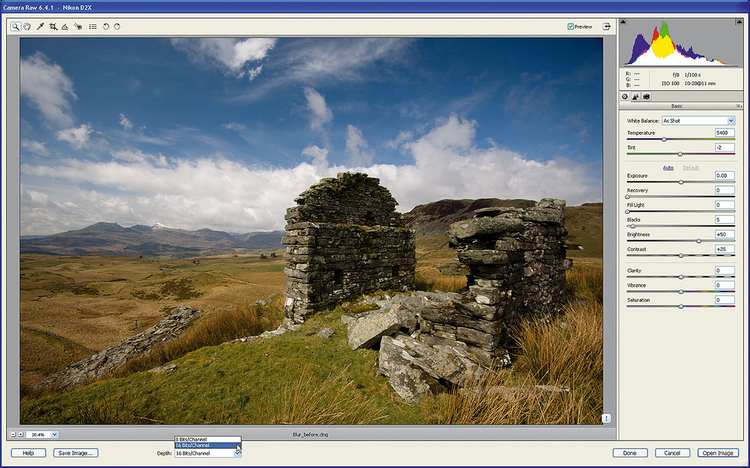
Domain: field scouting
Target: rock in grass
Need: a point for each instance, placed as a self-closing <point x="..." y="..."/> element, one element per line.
<point x="274" y="333"/>
<point x="326" y="333"/>
<point x="166" y="368"/>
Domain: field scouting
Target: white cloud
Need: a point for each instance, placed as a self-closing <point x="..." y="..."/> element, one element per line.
<point x="449" y="164"/>
<point x="208" y="192"/>
<point x="230" y="55"/>
<point x="36" y="147"/>
<point x="320" y="114"/>
<point x="357" y="149"/>
<point x="314" y="61"/>
<point x="234" y="126"/>
<point x="401" y="138"/>
<point x="68" y="208"/>
<point x="138" y="156"/>
<point x="340" y="59"/>
<point x="251" y="50"/>
<point x="135" y="187"/>
<point x="154" y="140"/>
<point x="78" y="137"/>
<point x="252" y="73"/>
<point x="318" y="155"/>
<point x="125" y="122"/>
<point x="49" y="89"/>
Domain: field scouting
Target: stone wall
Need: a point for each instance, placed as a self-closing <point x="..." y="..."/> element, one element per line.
<point x="514" y="261"/>
<point x="344" y="238"/>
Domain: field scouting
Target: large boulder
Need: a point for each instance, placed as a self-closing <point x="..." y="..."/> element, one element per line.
<point x="448" y="363"/>
<point x="408" y="381"/>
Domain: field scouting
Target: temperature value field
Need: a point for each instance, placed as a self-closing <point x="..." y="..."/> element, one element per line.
<point x="208" y="447"/>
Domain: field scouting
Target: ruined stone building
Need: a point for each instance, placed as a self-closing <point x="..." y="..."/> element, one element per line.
<point x="514" y="263"/>
<point x="344" y="238"/>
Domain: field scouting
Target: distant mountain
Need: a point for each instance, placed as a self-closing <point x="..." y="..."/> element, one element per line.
<point x="264" y="240"/>
<point x="156" y="240"/>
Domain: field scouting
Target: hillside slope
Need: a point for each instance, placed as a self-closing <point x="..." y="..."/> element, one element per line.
<point x="434" y="219"/>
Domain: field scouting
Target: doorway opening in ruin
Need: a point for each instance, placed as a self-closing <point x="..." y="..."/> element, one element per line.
<point x="338" y="277"/>
<point x="369" y="218"/>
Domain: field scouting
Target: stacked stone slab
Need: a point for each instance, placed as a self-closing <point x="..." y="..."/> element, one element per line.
<point x="344" y="238"/>
<point x="514" y="260"/>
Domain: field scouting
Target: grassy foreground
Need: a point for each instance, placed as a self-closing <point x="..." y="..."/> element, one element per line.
<point x="73" y="304"/>
<point x="300" y="378"/>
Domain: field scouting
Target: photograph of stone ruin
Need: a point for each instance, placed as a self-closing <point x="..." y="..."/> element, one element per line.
<point x="345" y="238"/>
<point x="407" y="253"/>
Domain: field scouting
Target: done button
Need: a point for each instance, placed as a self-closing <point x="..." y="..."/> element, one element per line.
<point x="630" y="453"/>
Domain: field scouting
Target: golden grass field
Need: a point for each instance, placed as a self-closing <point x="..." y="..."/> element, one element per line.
<point x="299" y="378"/>
<point x="94" y="301"/>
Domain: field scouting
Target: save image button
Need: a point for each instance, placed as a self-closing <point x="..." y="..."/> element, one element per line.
<point x="75" y="453"/>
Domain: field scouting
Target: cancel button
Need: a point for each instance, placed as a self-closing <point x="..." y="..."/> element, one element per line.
<point x="673" y="453"/>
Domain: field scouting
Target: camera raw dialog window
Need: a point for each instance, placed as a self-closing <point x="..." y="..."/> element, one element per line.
<point x="367" y="233"/>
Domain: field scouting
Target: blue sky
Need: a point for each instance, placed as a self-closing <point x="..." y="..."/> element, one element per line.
<point x="225" y="133"/>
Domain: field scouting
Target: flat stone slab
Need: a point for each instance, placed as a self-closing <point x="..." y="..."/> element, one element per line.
<point x="483" y="226"/>
<point x="365" y="331"/>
